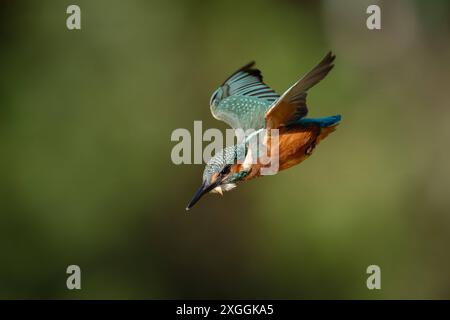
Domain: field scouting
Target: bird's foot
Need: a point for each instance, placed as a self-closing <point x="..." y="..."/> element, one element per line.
<point x="310" y="148"/>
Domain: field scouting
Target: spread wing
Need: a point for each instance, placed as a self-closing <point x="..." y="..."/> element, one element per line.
<point x="291" y="105"/>
<point x="243" y="99"/>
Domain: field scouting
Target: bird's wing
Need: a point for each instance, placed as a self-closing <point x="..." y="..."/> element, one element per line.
<point x="243" y="99"/>
<point x="291" y="106"/>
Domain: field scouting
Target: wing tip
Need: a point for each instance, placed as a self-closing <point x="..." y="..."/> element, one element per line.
<point x="246" y="68"/>
<point x="248" y="65"/>
<point x="249" y="68"/>
<point x="329" y="59"/>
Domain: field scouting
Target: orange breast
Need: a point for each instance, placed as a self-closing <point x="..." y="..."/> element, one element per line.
<point x="295" y="145"/>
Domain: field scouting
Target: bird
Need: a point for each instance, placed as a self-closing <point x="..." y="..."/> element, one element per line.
<point x="245" y="102"/>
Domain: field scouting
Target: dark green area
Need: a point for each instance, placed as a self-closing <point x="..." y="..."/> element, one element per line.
<point x="86" y="176"/>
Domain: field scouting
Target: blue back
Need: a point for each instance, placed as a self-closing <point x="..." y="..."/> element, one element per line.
<point x="322" y="122"/>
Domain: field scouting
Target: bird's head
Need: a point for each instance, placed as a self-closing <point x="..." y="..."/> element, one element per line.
<point x="221" y="174"/>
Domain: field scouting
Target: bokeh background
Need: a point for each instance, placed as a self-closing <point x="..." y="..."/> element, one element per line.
<point x="86" y="176"/>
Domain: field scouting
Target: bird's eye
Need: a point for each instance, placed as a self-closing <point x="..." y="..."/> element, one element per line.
<point x="226" y="170"/>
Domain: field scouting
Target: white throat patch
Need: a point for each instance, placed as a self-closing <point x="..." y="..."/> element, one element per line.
<point x="224" y="187"/>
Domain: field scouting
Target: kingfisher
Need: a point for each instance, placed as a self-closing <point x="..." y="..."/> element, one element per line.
<point x="245" y="102"/>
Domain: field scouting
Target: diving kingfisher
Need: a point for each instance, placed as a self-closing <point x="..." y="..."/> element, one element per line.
<point x="245" y="102"/>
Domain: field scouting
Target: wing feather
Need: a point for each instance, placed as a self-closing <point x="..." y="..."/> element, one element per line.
<point x="243" y="99"/>
<point x="291" y="106"/>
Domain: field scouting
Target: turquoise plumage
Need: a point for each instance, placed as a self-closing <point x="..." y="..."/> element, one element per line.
<point x="243" y="99"/>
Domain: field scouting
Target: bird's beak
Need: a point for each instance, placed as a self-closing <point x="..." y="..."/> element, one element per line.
<point x="204" y="188"/>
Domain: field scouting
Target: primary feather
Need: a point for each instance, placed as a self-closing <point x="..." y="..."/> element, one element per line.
<point x="291" y="106"/>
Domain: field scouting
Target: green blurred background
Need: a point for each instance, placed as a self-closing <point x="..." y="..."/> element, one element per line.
<point x="86" y="176"/>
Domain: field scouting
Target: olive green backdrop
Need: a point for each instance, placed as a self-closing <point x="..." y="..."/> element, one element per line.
<point x="86" y="176"/>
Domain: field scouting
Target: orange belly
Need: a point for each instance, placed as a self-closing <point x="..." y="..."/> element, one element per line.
<point x="295" y="145"/>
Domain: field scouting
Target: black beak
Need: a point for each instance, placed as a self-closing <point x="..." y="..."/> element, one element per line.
<point x="204" y="188"/>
